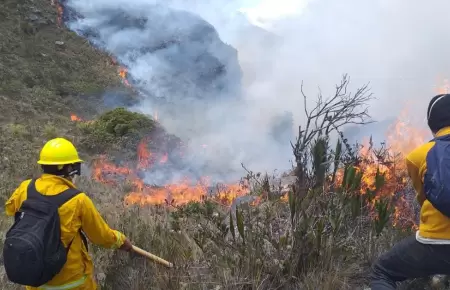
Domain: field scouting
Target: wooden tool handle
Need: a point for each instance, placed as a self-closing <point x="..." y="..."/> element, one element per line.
<point x="152" y="257"/>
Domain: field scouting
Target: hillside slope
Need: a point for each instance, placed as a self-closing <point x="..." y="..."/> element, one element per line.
<point x="45" y="73"/>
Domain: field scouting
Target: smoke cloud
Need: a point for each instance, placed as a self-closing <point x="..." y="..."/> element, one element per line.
<point x="242" y="113"/>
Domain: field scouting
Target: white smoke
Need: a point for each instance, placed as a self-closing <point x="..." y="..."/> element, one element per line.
<point x="400" y="47"/>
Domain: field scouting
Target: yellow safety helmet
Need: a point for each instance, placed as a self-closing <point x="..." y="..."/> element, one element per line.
<point x="58" y="151"/>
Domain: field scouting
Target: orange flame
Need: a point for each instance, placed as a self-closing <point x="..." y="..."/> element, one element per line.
<point x="402" y="137"/>
<point x="75" y="118"/>
<point x="59" y="11"/>
<point x="123" y="72"/>
<point x="171" y="194"/>
<point x="144" y="155"/>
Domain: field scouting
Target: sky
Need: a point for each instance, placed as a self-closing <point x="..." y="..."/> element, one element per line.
<point x="266" y="13"/>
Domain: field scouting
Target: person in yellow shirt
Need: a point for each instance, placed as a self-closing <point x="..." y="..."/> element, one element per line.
<point x="70" y="265"/>
<point x="428" y="252"/>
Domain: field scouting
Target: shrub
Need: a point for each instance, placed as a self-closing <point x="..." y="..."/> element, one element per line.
<point x="118" y="129"/>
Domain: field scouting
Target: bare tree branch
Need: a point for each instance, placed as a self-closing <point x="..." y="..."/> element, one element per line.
<point x="330" y="114"/>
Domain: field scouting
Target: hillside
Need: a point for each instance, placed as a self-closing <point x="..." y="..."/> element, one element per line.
<point x="46" y="74"/>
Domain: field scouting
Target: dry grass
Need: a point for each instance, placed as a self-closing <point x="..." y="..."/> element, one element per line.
<point x="198" y="239"/>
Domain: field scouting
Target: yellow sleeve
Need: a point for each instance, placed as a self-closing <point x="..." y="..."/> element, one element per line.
<point x="414" y="174"/>
<point x="96" y="229"/>
<point x="13" y="204"/>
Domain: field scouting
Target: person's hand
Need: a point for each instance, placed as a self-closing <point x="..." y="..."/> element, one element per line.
<point x="127" y="246"/>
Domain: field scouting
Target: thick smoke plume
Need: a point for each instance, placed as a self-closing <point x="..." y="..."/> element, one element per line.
<point x="241" y="111"/>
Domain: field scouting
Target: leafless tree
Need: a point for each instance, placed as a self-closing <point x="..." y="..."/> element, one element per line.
<point x="327" y="116"/>
<point x="330" y="114"/>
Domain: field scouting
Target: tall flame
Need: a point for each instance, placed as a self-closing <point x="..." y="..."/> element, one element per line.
<point x="401" y="138"/>
<point x="144" y="155"/>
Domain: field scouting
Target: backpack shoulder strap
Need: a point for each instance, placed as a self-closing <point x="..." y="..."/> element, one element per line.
<point x="57" y="200"/>
<point x="32" y="192"/>
<point x="63" y="197"/>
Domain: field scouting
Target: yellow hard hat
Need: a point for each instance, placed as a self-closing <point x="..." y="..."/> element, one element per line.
<point x="58" y="151"/>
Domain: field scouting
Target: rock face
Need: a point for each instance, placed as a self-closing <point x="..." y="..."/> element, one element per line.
<point x="170" y="55"/>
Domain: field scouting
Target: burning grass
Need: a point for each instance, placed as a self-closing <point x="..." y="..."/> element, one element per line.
<point x="174" y="194"/>
<point x="118" y="124"/>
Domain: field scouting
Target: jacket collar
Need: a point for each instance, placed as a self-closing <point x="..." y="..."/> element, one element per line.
<point x="444" y="131"/>
<point x="57" y="179"/>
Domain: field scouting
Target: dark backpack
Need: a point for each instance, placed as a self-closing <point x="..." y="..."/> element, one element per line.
<point x="33" y="252"/>
<point x="437" y="176"/>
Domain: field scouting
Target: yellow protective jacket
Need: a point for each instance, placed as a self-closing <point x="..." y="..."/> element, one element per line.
<point x="433" y="224"/>
<point x="78" y="213"/>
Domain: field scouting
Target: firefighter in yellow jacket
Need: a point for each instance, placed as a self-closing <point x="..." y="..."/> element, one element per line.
<point x="428" y="252"/>
<point x="60" y="162"/>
